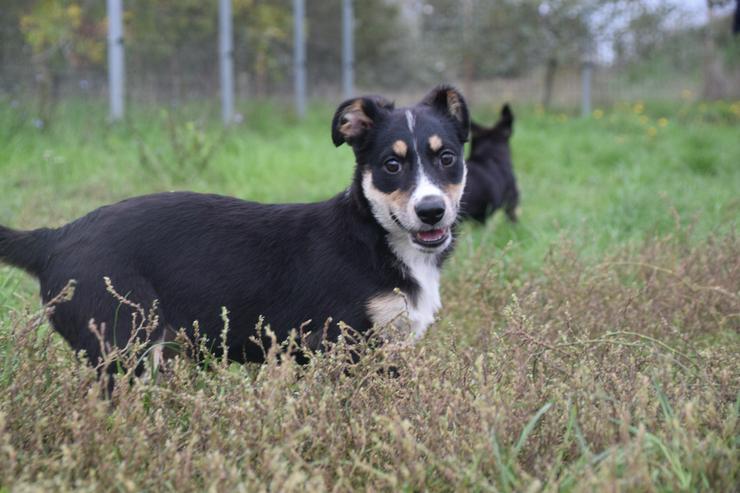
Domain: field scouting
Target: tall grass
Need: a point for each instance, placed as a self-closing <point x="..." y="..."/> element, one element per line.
<point x="592" y="347"/>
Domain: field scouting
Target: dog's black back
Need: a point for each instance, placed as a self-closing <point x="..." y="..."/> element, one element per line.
<point x="187" y="251"/>
<point x="491" y="183"/>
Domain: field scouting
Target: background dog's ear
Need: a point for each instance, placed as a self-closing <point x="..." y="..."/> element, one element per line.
<point x="506" y="121"/>
<point x="448" y="101"/>
<point x="355" y="117"/>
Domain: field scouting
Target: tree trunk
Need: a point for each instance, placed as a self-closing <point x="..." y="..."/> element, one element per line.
<point x="176" y="78"/>
<point x="48" y="82"/>
<point x="260" y="74"/>
<point x="467" y="36"/>
<point x="468" y="76"/>
<point x="714" y="77"/>
<point x="550" y="69"/>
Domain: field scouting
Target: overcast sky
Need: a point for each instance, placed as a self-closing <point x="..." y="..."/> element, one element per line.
<point x="696" y="8"/>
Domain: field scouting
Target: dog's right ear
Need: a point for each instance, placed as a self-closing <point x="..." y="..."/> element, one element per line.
<point x="506" y="120"/>
<point x="448" y="101"/>
<point x="355" y="117"/>
<point x="507" y="116"/>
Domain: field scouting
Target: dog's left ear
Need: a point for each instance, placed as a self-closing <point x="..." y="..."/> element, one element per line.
<point x="355" y="117"/>
<point x="449" y="102"/>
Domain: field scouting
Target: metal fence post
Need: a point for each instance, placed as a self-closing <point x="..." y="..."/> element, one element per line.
<point x="586" y="76"/>
<point x="299" y="57"/>
<point x="226" y="60"/>
<point x="348" y="49"/>
<point x="115" y="59"/>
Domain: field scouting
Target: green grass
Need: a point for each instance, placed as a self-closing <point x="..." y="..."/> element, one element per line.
<point x="592" y="346"/>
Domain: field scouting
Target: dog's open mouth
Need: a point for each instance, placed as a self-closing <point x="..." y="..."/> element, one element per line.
<point x="432" y="237"/>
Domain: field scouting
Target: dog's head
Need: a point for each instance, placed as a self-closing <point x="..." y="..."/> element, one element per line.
<point x="409" y="162"/>
<point x="492" y="142"/>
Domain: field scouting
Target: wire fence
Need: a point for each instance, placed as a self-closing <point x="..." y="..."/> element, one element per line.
<point x="492" y="50"/>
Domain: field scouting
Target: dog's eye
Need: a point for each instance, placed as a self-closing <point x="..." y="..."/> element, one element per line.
<point x="392" y="166"/>
<point x="447" y="158"/>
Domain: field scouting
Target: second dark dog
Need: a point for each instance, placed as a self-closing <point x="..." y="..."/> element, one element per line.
<point x="491" y="183"/>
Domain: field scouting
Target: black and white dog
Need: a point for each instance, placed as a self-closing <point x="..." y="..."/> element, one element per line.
<point x="296" y="265"/>
<point x="491" y="182"/>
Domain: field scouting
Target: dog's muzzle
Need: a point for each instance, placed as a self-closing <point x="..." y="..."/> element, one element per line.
<point x="431" y="210"/>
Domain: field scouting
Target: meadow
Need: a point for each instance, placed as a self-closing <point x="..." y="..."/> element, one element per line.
<point x="593" y="346"/>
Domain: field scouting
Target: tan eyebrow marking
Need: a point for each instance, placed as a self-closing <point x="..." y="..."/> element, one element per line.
<point x="435" y="143"/>
<point x="400" y="148"/>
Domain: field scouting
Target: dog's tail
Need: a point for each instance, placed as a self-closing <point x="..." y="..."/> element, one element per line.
<point x="25" y="249"/>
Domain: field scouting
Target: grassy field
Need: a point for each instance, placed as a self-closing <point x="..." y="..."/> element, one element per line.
<point x="593" y="346"/>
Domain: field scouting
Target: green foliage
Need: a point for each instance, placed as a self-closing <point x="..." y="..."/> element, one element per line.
<point x="264" y="30"/>
<point x="171" y="44"/>
<point x="164" y="29"/>
<point x="61" y="34"/>
<point x="188" y="151"/>
<point x="497" y="38"/>
<point x="64" y="32"/>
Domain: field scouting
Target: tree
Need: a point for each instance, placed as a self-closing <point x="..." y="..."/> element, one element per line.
<point x="567" y="35"/>
<point x="61" y="33"/>
<point x="263" y="38"/>
<point x="715" y="84"/>
<point x="380" y="51"/>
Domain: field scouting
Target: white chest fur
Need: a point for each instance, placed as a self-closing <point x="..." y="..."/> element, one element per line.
<point x="427" y="302"/>
<point x="410" y="314"/>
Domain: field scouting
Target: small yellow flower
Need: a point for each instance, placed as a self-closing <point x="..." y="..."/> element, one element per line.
<point x="74" y="14"/>
<point x="598" y="113"/>
<point x="735" y="108"/>
<point x="562" y="117"/>
<point x="687" y="94"/>
<point x="652" y="132"/>
<point x="644" y="120"/>
<point x="662" y="121"/>
<point x="638" y="108"/>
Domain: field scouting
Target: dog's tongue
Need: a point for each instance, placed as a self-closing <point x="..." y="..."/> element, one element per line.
<point x="431" y="235"/>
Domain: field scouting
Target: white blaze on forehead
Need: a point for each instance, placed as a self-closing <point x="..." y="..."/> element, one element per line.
<point x="410" y="121"/>
<point x="424" y="187"/>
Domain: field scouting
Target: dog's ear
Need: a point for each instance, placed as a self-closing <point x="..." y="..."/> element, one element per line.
<point x="355" y="117"/>
<point x="506" y="121"/>
<point x="448" y="101"/>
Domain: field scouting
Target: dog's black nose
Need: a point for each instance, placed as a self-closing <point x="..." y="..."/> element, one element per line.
<point x="430" y="209"/>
